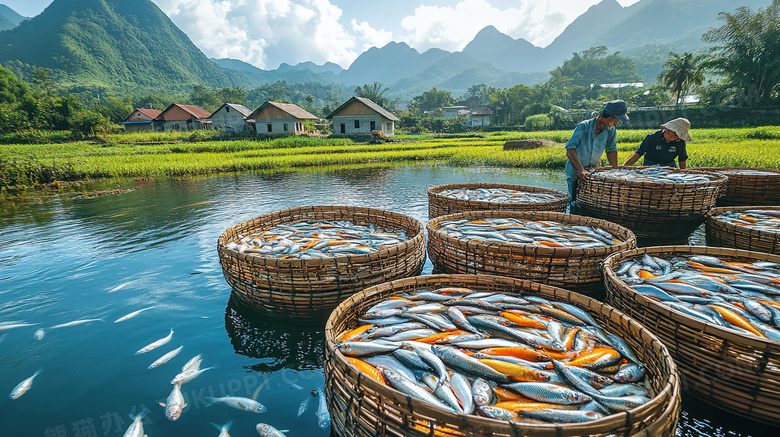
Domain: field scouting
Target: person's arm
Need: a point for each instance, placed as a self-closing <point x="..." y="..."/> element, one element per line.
<point x="612" y="157"/>
<point x="571" y="149"/>
<point x="575" y="161"/>
<point x="683" y="165"/>
<point x="611" y="148"/>
<point x="682" y="157"/>
<point x="632" y="159"/>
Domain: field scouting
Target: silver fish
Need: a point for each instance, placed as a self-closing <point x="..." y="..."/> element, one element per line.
<point x="136" y="428"/>
<point x="75" y="323"/>
<point x="323" y="417"/>
<point x="174" y="404"/>
<point x="133" y="314"/>
<point x="223" y="430"/>
<point x="155" y="344"/>
<point x="237" y="402"/>
<point x="266" y="430"/>
<point x="8" y="325"/>
<point x="165" y="358"/>
<point x="23" y="386"/>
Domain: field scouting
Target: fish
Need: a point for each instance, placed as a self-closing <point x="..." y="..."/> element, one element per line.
<point x="223" y="430"/>
<point x="323" y="417"/>
<point x="8" y="325"/>
<point x="304" y="405"/>
<point x="39" y="334"/>
<point x="155" y="344"/>
<point x="174" y="404"/>
<point x="497" y="195"/>
<point x="136" y="428"/>
<point x="659" y="175"/>
<point x="188" y="375"/>
<point x="240" y="403"/>
<point x="266" y="430"/>
<point x="193" y="364"/>
<point x="758" y="219"/>
<point x="133" y="314"/>
<point x="165" y="358"/>
<point x="122" y="285"/>
<point x="23" y="386"/>
<point x="75" y="323"/>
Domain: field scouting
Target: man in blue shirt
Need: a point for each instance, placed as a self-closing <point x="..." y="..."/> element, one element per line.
<point x="589" y="141"/>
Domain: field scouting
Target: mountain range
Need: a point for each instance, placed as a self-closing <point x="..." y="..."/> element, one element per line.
<point x="134" y="46"/>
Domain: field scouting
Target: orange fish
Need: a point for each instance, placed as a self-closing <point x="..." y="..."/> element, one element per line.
<point x="517" y="352"/>
<point x="598" y="356"/>
<point x="354" y="333"/>
<point x="737" y="320"/>
<point x="568" y="340"/>
<point x="368" y="369"/>
<point x="516" y="371"/>
<point x="519" y="407"/>
<point x="441" y="336"/>
<point x="521" y="320"/>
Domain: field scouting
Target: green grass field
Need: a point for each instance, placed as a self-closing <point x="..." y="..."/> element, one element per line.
<point x="156" y="155"/>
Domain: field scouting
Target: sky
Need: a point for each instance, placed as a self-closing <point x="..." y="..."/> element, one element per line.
<point x="266" y="33"/>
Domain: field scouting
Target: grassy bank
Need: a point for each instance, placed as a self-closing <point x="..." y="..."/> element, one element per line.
<point x="155" y="155"/>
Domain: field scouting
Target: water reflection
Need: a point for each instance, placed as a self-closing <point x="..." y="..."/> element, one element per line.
<point x="279" y="344"/>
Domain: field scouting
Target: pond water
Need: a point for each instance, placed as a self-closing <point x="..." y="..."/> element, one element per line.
<point x="65" y="258"/>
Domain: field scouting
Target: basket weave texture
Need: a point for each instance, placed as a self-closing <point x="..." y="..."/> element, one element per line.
<point x="747" y="189"/>
<point x="650" y="209"/>
<point x="723" y="234"/>
<point x="311" y="288"/>
<point x="439" y="205"/>
<point x="736" y="373"/>
<point x="575" y="269"/>
<point x="361" y="406"/>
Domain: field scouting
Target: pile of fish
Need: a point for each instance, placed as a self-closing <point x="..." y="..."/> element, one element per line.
<point x="531" y="232"/>
<point x="507" y="357"/>
<point x="739" y="295"/>
<point x="759" y="219"/>
<point x="746" y="172"/>
<point x="498" y="195"/>
<point x="311" y="239"/>
<point x="661" y="175"/>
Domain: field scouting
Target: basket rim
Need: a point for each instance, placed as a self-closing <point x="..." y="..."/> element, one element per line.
<point x="258" y="259"/>
<point x="705" y="327"/>
<point x="725" y="169"/>
<point x="718" y="179"/>
<point x="434" y="192"/>
<point x="666" y="394"/>
<point x="712" y="219"/>
<point x="630" y="241"/>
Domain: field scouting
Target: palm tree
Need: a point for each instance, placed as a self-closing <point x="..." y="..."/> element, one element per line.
<point x="681" y="73"/>
<point x="376" y="94"/>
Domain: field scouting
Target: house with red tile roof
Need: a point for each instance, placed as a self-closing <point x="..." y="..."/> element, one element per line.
<point x="182" y="118"/>
<point x="142" y="119"/>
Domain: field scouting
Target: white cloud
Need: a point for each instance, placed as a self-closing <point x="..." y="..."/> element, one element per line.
<point x="369" y="36"/>
<point x="265" y="33"/>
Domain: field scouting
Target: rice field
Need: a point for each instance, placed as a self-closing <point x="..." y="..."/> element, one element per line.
<point x="155" y="155"/>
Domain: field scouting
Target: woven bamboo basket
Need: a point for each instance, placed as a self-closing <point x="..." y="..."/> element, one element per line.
<point x="650" y="209"/>
<point x="748" y="189"/>
<point x="723" y="234"/>
<point x="575" y="269"/>
<point x="310" y="289"/>
<point x="722" y="368"/>
<point x="439" y="205"/>
<point x="361" y="406"/>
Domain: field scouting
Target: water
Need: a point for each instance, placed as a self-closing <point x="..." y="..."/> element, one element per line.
<point x="66" y="258"/>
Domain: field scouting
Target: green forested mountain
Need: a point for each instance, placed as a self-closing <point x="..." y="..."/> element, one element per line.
<point x="113" y="44"/>
<point x="9" y="18"/>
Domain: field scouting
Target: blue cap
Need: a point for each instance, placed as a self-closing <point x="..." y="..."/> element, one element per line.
<point x="618" y="108"/>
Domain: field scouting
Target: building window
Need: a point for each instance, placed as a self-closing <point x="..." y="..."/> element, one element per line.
<point x="270" y="127"/>
<point x="343" y="128"/>
<point x="389" y="127"/>
<point x="373" y="126"/>
<point x="357" y="124"/>
<point x="285" y="127"/>
<point x="227" y="108"/>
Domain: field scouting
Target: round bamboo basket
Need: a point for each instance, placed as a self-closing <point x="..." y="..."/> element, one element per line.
<point x="439" y="205"/>
<point x="309" y="289"/>
<point x="650" y="209"/>
<point x="748" y="189"/>
<point x="723" y="234"/>
<point x="361" y="406"/>
<point x="719" y="366"/>
<point x="575" y="269"/>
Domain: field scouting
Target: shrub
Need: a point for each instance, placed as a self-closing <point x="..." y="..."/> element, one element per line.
<point x="538" y="122"/>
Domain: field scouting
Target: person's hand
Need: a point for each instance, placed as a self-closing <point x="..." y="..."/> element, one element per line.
<point x="582" y="174"/>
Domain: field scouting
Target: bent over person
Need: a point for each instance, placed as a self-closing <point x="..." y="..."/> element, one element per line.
<point x="663" y="146"/>
<point x="589" y="141"/>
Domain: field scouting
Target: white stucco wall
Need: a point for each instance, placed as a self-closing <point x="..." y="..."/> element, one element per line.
<point x="228" y="120"/>
<point x="277" y="126"/>
<point x="387" y="127"/>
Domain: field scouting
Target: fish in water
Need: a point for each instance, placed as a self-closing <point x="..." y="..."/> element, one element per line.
<point x="188" y="375"/>
<point x="223" y="430"/>
<point x="136" y="428"/>
<point x="323" y="417"/>
<point x="240" y="403"/>
<point x="174" y="404"/>
<point x="123" y="285"/>
<point x="155" y="344"/>
<point x="305" y="403"/>
<point x="266" y="430"/>
<point x="39" y="334"/>
<point x="133" y="314"/>
<point x="75" y="323"/>
<point x="165" y="358"/>
<point x="497" y="195"/>
<point x="11" y="325"/>
<point x="23" y="386"/>
<point x="311" y="239"/>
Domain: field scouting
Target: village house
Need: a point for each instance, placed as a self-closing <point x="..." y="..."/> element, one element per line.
<point x="230" y="117"/>
<point x="453" y="111"/>
<point x="182" y="118"/>
<point x="361" y="116"/>
<point x="141" y="120"/>
<point x="480" y="117"/>
<point x="275" y="119"/>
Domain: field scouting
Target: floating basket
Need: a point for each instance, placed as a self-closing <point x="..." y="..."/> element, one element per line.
<point x="721" y="233"/>
<point x="311" y="288"/>
<point x="745" y="187"/>
<point x="736" y="373"/>
<point x="650" y="209"/>
<point x="439" y="205"/>
<point x="575" y="269"/>
<point x="361" y="406"/>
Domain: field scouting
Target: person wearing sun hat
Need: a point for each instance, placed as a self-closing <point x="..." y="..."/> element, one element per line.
<point x="591" y="138"/>
<point x="663" y="146"/>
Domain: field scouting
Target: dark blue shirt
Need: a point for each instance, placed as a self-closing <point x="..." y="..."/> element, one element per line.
<point x="659" y="152"/>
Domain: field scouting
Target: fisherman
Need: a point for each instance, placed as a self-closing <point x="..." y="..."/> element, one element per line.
<point x="663" y="146"/>
<point x="589" y="141"/>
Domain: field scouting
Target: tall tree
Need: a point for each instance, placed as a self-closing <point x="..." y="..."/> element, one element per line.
<point x="432" y="100"/>
<point x="681" y="73"/>
<point x="376" y="93"/>
<point x="747" y="51"/>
